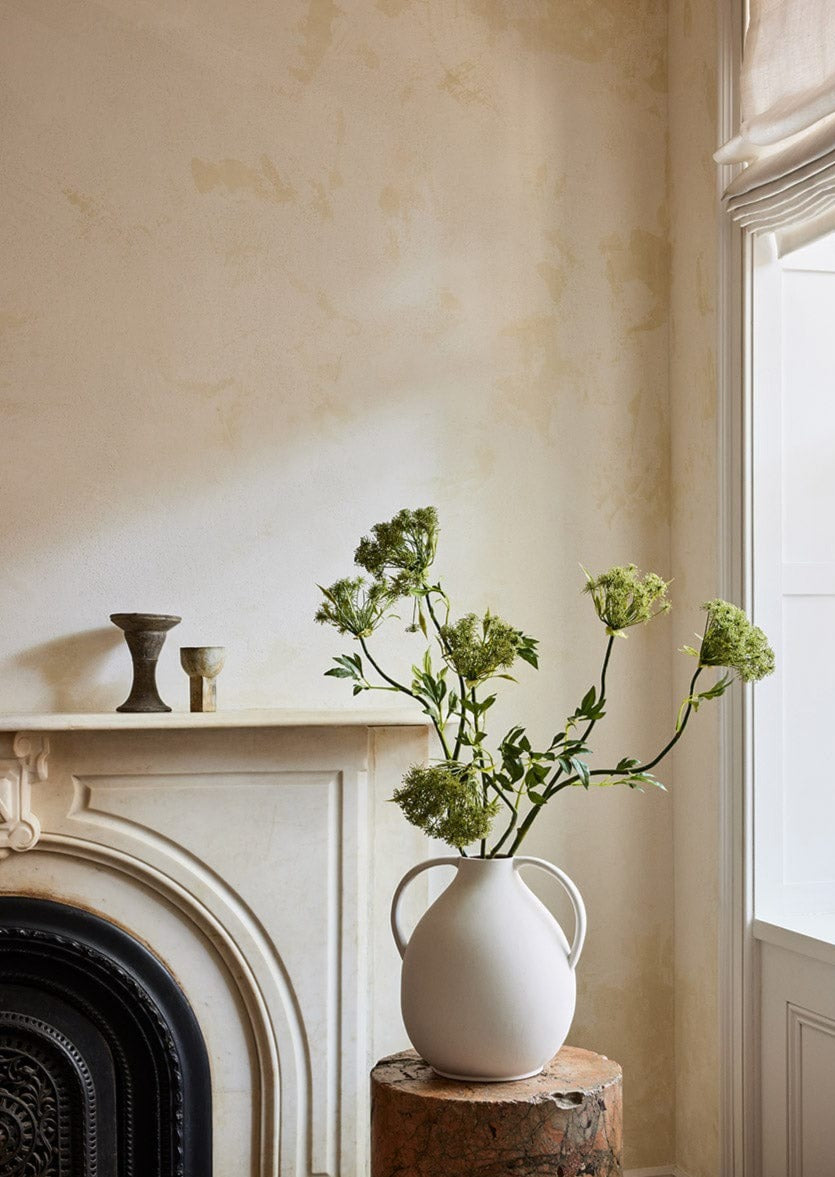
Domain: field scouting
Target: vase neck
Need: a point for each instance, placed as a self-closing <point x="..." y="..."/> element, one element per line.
<point x="485" y="872"/>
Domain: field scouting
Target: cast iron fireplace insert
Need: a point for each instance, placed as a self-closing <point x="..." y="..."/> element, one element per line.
<point x="103" y="1068"/>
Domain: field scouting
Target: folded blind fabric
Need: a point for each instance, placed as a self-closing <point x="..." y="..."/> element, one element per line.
<point x="787" y="107"/>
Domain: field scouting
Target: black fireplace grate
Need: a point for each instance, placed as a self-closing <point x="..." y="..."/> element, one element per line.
<point x="103" y="1067"/>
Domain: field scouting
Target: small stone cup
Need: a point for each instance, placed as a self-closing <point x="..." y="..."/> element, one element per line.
<point x="202" y="664"/>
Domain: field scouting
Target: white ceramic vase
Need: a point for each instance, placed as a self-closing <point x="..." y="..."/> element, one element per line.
<point x="488" y="986"/>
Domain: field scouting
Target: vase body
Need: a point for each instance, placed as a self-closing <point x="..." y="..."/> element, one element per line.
<point x="145" y="637"/>
<point x="488" y="984"/>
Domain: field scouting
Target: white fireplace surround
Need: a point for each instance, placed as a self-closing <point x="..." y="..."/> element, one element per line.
<point x="255" y="854"/>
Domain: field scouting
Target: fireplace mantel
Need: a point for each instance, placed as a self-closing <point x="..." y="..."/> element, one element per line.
<point x="54" y="721"/>
<point x="255" y="854"/>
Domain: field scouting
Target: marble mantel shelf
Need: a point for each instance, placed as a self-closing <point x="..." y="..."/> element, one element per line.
<point x="176" y="720"/>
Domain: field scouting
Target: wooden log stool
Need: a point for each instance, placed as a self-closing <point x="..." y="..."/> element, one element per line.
<point x="562" y="1123"/>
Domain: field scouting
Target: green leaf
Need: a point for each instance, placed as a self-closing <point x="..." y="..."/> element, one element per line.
<point x="626" y="765"/>
<point x="350" y="664"/>
<point x="681" y="711"/>
<point x="515" y="770"/>
<point x="536" y="774"/>
<point x="718" y="689"/>
<point x="632" y="780"/>
<point x="527" y="650"/>
<point x="582" y="770"/>
<point x="537" y="798"/>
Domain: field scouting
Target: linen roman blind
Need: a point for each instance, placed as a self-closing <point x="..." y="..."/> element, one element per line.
<point x="787" y="120"/>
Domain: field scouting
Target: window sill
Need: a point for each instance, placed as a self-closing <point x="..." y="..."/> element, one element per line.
<point x="808" y="935"/>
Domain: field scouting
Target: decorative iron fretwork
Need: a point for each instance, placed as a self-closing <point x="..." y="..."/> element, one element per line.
<point x="34" y="1115"/>
<point x="47" y="1102"/>
<point x="103" y="1069"/>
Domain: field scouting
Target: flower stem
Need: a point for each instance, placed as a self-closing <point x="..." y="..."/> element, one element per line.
<point x="590" y="726"/>
<point x="462" y="718"/>
<point x="405" y="691"/>
<point x="574" y="780"/>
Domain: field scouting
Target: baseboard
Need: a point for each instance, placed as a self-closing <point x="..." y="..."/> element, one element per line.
<point x="659" y="1171"/>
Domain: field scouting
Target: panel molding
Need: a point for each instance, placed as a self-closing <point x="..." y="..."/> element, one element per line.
<point x="797" y="1019"/>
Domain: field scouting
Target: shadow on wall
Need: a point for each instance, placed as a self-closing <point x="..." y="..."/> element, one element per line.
<point x="68" y="668"/>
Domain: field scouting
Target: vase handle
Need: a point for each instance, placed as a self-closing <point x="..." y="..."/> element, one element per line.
<point x="576" y="902"/>
<point x="396" y="927"/>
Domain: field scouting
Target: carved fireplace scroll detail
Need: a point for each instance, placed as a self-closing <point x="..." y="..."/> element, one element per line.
<point x="19" y="827"/>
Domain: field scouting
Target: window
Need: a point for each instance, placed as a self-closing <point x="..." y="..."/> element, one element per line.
<point x="793" y="550"/>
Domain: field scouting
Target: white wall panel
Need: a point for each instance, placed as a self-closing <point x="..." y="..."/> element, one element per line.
<point x="798" y="1064"/>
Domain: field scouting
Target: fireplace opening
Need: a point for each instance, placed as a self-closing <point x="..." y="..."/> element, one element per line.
<point x="103" y="1067"/>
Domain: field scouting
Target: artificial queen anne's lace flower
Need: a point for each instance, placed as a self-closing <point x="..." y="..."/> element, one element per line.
<point x="445" y="803"/>
<point x="402" y="550"/>
<point x="623" y="596"/>
<point x="354" y="606"/>
<point x="731" y="640"/>
<point x="478" y="647"/>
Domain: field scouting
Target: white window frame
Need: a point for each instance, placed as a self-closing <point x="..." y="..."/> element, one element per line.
<point x="738" y="1012"/>
<point x="739" y="1030"/>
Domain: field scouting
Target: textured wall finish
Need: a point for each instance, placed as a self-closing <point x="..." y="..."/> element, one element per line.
<point x="273" y="271"/>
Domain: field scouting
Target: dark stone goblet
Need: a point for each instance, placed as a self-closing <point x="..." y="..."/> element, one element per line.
<point x="145" y="635"/>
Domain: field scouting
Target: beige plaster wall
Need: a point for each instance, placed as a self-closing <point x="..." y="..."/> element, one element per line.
<point x="693" y="56"/>
<point x="273" y="271"/>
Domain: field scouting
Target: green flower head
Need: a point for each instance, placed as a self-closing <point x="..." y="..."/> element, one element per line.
<point x="731" y="640"/>
<point x="445" y="802"/>
<point x="478" y="647"/>
<point x="402" y="550"/>
<point x="624" y="596"/>
<point x="354" y="606"/>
